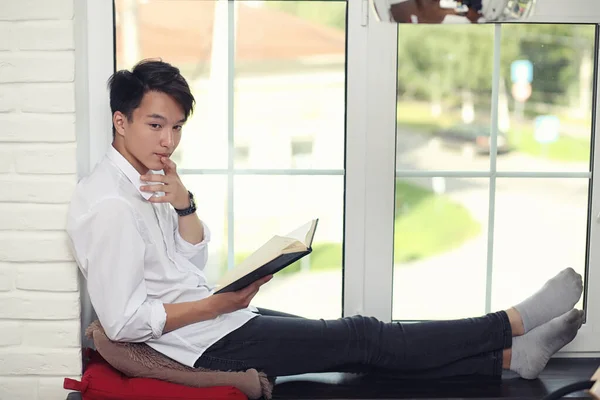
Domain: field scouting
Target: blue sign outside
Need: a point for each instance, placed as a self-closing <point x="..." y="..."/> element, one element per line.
<point x="547" y="128"/>
<point x="521" y="71"/>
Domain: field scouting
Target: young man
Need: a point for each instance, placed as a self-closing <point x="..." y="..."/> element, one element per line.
<point x="141" y="246"/>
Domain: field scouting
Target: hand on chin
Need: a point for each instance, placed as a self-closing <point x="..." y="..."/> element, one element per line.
<point x="155" y="164"/>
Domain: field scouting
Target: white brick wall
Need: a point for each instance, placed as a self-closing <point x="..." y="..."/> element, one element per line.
<point x="39" y="295"/>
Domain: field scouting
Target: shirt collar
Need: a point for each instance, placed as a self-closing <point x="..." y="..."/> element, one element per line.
<point x="127" y="169"/>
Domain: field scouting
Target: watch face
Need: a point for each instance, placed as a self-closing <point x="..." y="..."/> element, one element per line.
<point x="192" y="202"/>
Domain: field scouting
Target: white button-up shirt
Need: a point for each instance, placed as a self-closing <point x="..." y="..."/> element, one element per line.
<point x="134" y="260"/>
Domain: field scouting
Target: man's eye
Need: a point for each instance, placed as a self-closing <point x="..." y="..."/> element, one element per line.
<point x="155" y="126"/>
<point x="177" y="127"/>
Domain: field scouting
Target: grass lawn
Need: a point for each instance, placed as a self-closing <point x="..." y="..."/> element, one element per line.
<point x="566" y="148"/>
<point x="425" y="225"/>
<point x="417" y="117"/>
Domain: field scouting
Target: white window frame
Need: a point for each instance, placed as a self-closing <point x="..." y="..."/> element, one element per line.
<point x="94" y="63"/>
<point x="370" y="149"/>
<point x="381" y="119"/>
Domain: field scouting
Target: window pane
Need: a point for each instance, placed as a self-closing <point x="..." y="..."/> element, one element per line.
<point x="289" y="113"/>
<point x="540" y="228"/>
<point x="289" y="68"/>
<point x="290" y="84"/>
<point x="544" y="124"/>
<point x="444" y="96"/>
<point x="545" y="104"/>
<point x="269" y="205"/>
<point x="182" y="34"/>
<point x="440" y="248"/>
<point x="210" y="194"/>
<point x="288" y="103"/>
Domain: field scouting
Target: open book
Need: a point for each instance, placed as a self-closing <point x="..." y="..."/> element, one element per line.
<point x="271" y="257"/>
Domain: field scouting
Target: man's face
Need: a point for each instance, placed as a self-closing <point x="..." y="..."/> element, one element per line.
<point x="153" y="132"/>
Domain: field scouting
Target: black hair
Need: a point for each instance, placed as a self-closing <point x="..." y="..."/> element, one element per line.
<point x="127" y="88"/>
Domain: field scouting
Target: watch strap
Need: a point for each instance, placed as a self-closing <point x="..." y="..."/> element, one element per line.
<point x="189" y="210"/>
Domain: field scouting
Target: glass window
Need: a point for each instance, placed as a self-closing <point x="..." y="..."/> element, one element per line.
<point x="486" y="214"/>
<point x="264" y="150"/>
<point x="546" y="116"/>
<point x="444" y="85"/>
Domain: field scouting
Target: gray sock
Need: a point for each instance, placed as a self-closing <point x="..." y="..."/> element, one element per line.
<point x="556" y="297"/>
<point x="531" y="352"/>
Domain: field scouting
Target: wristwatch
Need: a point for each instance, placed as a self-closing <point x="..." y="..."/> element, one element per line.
<point x="187" y="211"/>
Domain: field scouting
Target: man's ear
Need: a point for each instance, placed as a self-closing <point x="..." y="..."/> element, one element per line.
<point x="119" y="121"/>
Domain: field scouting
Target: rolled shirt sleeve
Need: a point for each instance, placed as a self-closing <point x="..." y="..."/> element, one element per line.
<point x="112" y="249"/>
<point x="197" y="254"/>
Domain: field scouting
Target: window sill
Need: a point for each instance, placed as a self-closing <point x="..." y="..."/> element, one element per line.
<point x="558" y="373"/>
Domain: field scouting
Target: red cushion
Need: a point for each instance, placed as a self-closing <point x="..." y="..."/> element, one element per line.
<point x="101" y="381"/>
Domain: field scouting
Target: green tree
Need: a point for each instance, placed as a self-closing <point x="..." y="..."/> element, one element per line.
<point x="443" y="60"/>
<point x="556" y="51"/>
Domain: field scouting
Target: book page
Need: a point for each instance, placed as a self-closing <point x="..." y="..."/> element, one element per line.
<point x="295" y="241"/>
<point x="304" y="233"/>
<point x="310" y="235"/>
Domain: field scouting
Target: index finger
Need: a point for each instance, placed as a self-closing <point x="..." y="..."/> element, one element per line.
<point x="169" y="164"/>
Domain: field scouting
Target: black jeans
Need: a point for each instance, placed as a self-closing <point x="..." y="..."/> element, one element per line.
<point x="281" y="344"/>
